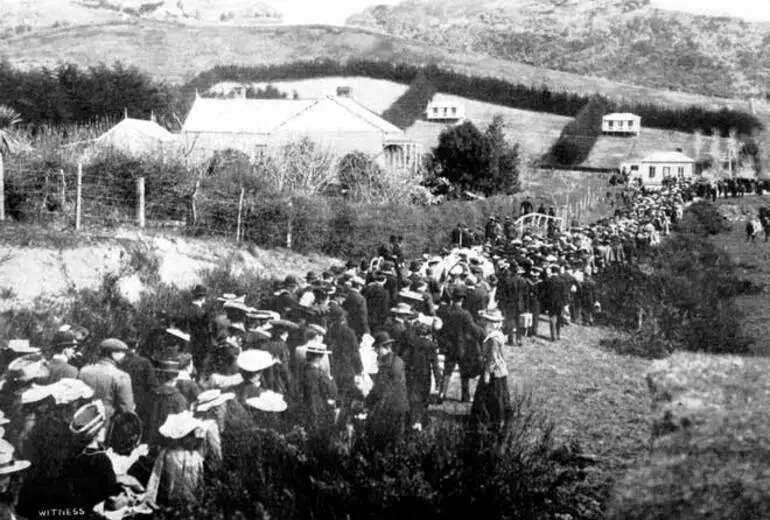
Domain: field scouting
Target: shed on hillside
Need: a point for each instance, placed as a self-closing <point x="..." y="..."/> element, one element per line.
<point x="138" y="138"/>
<point x="623" y="123"/>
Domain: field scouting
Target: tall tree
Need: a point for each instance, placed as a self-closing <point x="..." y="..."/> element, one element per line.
<point x="9" y="142"/>
<point x="461" y="154"/>
<point x="502" y="160"/>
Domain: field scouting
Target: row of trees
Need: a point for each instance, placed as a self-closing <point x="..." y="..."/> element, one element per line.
<point x="491" y="90"/>
<point x="69" y="94"/>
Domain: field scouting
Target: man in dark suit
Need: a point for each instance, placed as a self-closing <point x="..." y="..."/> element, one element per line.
<point x="554" y="292"/>
<point x="513" y="301"/>
<point x="396" y="325"/>
<point x="286" y="298"/>
<point x="478" y="297"/>
<point x="199" y="323"/>
<point x="377" y="302"/>
<point x="63" y="348"/>
<point x="345" y="360"/>
<point x="388" y="402"/>
<point x="355" y="306"/>
<point x="460" y="337"/>
<point x="143" y="379"/>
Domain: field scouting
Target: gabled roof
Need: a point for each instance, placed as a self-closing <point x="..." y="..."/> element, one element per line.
<point x="264" y="116"/>
<point x="138" y="127"/>
<point x="247" y="116"/>
<point x="621" y="115"/>
<point x="673" y="157"/>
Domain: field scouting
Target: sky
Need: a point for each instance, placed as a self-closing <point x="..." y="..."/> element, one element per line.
<point x="755" y="10"/>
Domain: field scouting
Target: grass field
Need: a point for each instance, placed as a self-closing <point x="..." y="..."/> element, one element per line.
<point x="596" y="397"/>
<point x="753" y="261"/>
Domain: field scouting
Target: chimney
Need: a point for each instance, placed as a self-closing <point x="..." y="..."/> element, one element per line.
<point x="680" y="149"/>
<point x="344" y="91"/>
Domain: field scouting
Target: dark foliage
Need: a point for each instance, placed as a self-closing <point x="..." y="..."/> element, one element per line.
<point x="479" y="162"/>
<point x="682" y="296"/>
<point x="411" y="105"/>
<point x="491" y="90"/>
<point x="577" y="139"/>
<point x="69" y="94"/>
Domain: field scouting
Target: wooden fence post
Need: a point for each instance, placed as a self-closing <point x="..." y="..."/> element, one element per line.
<point x="290" y="205"/>
<point x="2" y="187"/>
<point x="79" y="197"/>
<point x="140" y="220"/>
<point x="240" y="213"/>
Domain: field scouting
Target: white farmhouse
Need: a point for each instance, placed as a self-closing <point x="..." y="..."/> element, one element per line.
<point x="445" y="111"/>
<point x="657" y="166"/>
<point x="621" y="124"/>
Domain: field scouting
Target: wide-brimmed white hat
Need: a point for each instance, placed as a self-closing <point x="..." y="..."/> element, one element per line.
<point x="35" y="394"/>
<point x="262" y="314"/>
<point x="255" y="360"/>
<point x="28" y="368"/>
<point x="230" y="297"/>
<point x="21" y="346"/>
<point x="261" y="332"/>
<point x="68" y="390"/>
<point x="411" y="295"/>
<point x="402" y="309"/>
<point x="180" y="425"/>
<point x="317" y="328"/>
<point x="8" y="463"/>
<point x="268" y="401"/>
<point x="211" y="399"/>
<point x="493" y="315"/>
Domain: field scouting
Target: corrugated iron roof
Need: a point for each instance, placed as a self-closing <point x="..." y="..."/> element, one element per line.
<point x="264" y="116"/>
<point x="138" y="126"/>
<point x="621" y="115"/>
<point x="667" y="157"/>
<point x="246" y="116"/>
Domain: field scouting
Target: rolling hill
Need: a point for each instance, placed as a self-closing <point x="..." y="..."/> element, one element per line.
<point x="176" y="52"/>
<point x="619" y="39"/>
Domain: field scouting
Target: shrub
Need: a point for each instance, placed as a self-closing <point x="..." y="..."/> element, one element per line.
<point x="703" y="218"/>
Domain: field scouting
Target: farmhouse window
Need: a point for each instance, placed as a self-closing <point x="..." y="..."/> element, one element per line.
<point x="652" y="172"/>
<point x="610" y="123"/>
<point x="444" y="110"/>
<point x="435" y="110"/>
<point x="454" y="110"/>
<point x="630" y="124"/>
<point x="635" y="168"/>
<point x="666" y="171"/>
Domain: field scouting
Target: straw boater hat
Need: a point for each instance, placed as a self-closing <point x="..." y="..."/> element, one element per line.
<point x="230" y="297"/>
<point x="169" y="366"/>
<point x="179" y="334"/>
<point x="261" y="314"/>
<point x="411" y="295"/>
<point x="284" y="324"/>
<point x="317" y="349"/>
<point x="402" y="309"/>
<point x="27" y="368"/>
<point x="180" y="425"/>
<point x="211" y="399"/>
<point x="268" y="401"/>
<point x="88" y="420"/>
<point x="255" y="360"/>
<point x="317" y="328"/>
<point x="261" y="333"/>
<point x="8" y="463"/>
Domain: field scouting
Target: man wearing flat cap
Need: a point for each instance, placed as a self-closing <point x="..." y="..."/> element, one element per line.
<point x="63" y="347"/>
<point x="110" y="384"/>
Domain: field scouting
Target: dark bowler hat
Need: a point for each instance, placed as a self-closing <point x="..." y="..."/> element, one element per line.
<point x="382" y="338"/>
<point x="199" y="291"/>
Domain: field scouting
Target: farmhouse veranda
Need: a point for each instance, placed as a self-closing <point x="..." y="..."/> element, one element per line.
<point x="137" y="422"/>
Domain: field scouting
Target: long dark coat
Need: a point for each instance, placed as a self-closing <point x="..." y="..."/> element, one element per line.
<point x="461" y="337"/>
<point x="345" y="359"/>
<point x="358" y="316"/>
<point x="419" y="356"/>
<point x="377" y="304"/>
<point x="388" y="402"/>
<point x="143" y="381"/>
<point x="396" y="329"/>
<point x="278" y="377"/>
<point x="317" y="390"/>
<point x="165" y="400"/>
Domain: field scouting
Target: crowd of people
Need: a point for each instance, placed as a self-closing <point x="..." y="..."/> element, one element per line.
<point x="362" y="349"/>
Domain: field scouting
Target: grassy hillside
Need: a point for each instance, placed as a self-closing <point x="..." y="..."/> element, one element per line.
<point x="625" y="39"/>
<point x="534" y="131"/>
<point x="177" y="52"/>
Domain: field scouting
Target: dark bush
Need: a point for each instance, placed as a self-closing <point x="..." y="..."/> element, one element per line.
<point x="703" y="218"/>
<point x="681" y="299"/>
